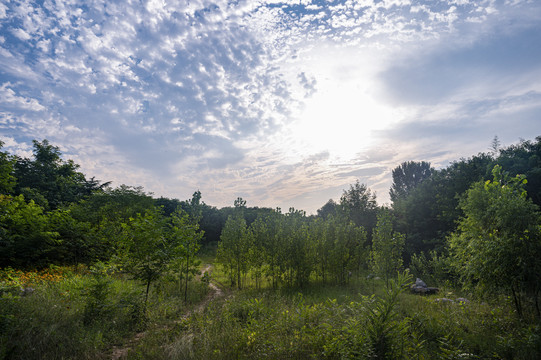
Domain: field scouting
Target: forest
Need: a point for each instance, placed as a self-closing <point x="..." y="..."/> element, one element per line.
<point x="449" y="270"/>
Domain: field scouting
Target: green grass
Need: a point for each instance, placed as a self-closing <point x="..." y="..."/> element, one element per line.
<point x="61" y="320"/>
<point x="83" y="317"/>
<point x="332" y="322"/>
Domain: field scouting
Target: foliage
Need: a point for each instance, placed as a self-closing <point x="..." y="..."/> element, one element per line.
<point x="429" y="212"/>
<point x="434" y="268"/>
<point x="7" y="180"/>
<point x="328" y="209"/>
<point x="26" y="238"/>
<point x="498" y="243"/>
<point x="387" y="247"/>
<point x="144" y="251"/>
<point x="49" y="180"/>
<point x="407" y="176"/>
<point x="49" y="323"/>
<point x="185" y="240"/>
<point x="359" y="204"/>
<point x="233" y="250"/>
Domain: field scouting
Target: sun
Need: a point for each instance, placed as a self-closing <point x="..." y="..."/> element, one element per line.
<point x="341" y="118"/>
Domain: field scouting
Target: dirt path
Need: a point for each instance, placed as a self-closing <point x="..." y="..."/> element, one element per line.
<point x="120" y="352"/>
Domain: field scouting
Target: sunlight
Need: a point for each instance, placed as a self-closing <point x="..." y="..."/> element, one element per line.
<point x="341" y="118"/>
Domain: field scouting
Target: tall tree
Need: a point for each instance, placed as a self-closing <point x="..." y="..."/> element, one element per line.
<point x="50" y="181"/>
<point x="360" y="206"/>
<point x="7" y="180"/>
<point x="407" y="176"/>
<point x="387" y="247"/>
<point x="328" y="209"/>
<point x="26" y="238"/>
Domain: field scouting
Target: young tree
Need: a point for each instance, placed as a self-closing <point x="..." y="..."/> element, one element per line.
<point x="233" y="250"/>
<point x="497" y="245"/>
<point x="185" y="237"/>
<point x="145" y="252"/>
<point x="387" y="247"/>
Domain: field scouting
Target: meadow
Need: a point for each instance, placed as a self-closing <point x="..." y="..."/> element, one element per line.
<point x="97" y="313"/>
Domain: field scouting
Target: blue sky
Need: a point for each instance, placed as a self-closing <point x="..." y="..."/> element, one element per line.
<point x="284" y="103"/>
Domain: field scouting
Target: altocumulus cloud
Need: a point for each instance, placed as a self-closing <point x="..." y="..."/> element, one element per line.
<point x="281" y="102"/>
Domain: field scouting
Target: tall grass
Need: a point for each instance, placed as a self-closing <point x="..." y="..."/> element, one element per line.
<point x="324" y="323"/>
<point x="81" y="315"/>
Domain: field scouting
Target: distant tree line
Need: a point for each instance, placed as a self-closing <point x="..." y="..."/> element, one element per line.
<point x="50" y="213"/>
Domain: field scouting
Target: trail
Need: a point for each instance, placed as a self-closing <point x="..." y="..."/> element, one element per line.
<point x="120" y="352"/>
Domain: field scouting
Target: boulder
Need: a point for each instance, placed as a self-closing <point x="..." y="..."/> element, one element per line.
<point x="420" y="288"/>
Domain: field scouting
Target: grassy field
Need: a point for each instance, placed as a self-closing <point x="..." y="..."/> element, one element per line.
<point x="77" y="314"/>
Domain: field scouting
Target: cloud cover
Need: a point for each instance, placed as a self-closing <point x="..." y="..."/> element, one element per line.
<point x="284" y="103"/>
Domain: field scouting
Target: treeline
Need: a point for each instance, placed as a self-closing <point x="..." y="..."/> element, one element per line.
<point x="473" y="224"/>
<point x="425" y="201"/>
<point x="51" y="213"/>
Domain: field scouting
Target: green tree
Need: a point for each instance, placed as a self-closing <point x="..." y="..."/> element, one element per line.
<point x="359" y="204"/>
<point x="144" y="251"/>
<point x="346" y="251"/>
<point x="328" y="209"/>
<point x="26" y="239"/>
<point x="295" y="254"/>
<point x="407" y="176"/>
<point x="387" y="247"/>
<point x="186" y="237"/>
<point x="267" y="230"/>
<point x="427" y="215"/>
<point x="49" y="180"/>
<point x="7" y="180"/>
<point x="234" y="249"/>
<point x="498" y="242"/>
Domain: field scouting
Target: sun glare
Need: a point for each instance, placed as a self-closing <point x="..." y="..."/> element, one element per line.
<point x="341" y="118"/>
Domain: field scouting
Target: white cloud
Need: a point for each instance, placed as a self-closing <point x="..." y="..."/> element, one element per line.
<point x="241" y="95"/>
<point x="9" y="98"/>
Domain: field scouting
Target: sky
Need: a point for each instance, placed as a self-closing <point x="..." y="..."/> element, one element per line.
<point x="283" y="103"/>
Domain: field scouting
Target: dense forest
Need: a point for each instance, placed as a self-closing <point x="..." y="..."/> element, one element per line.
<point x="473" y="227"/>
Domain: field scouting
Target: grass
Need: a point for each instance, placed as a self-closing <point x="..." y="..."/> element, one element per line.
<point x="331" y="322"/>
<point x="79" y="316"/>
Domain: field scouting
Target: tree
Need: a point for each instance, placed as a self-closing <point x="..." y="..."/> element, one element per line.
<point x="498" y="242"/>
<point x="427" y="215"/>
<point x="524" y="158"/>
<point x="234" y="248"/>
<point x="144" y="250"/>
<point x="49" y="180"/>
<point x="328" y="209"/>
<point x="185" y="237"/>
<point x="387" y="247"/>
<point x="26" y="239"/>
<point x="7" y="180"/>
<point x="407" y="176"/>
<point x="360" y="206"/>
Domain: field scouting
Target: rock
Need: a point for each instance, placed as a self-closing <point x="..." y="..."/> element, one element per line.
<point x="462" y="300"/>
<point x="444" y="300"/>
<point x="27" y="291"/>
<point x="420" y="288"/>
